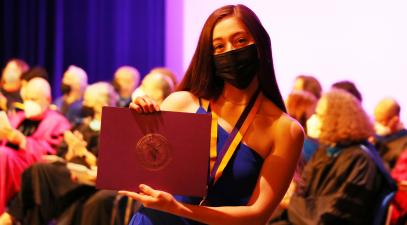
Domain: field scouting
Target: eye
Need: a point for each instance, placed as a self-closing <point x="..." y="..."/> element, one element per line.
<point x="242" y="40"/>
<point x="218" y="48"/>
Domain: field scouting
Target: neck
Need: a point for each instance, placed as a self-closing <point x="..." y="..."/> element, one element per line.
<point x="72" y="97"/>
<point x="125" y="94"/>
<point x="399" y="127"/>
<point x="98" y="116"/>
<point x="233" y="95"/>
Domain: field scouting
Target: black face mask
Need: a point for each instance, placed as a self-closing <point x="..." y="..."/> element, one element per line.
<point x="87" y="111"/>
<point x="65" y="89"/>
<point x="237" y="67"/>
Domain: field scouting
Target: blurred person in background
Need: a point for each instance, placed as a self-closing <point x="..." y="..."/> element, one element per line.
<point x="36" y="71"/>
<point x="350" y="87"/>
<point x="399" y="203"/>
<point x="156" y="85"/>
<point x="32" y="133"/>
<point x="11" y="83"/>
<point x="391" y="135"/>
<point x="50" y="192"/>
<point x="126" y="79"/>
<point x="74" y="83"/>
<point x="167" y="72"/>
<point x="344" y="181"/>
<point x="308" y="83"/>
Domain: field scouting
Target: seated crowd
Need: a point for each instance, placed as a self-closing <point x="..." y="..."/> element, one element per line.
<point x="43" y="141"/>
<point x="352" y="164"/>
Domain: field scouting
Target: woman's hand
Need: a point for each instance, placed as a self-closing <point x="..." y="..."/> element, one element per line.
<point x="144" y="104"/>
<point x="152" y="198"/>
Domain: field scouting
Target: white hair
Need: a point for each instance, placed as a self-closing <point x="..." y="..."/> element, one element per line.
<point x="80" y="73"/>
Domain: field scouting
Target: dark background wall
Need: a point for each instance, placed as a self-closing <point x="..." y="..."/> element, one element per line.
<point x="97" y="35"/>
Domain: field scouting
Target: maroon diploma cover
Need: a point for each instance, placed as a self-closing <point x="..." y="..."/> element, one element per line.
<point x="168" y="151"/>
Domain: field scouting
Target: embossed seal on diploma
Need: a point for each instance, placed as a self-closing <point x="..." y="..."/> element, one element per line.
<point x="153" y="151"/>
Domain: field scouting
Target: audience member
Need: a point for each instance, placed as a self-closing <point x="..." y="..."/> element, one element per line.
<point x="308" y="83"/>
<point x="167" y="72"/>
<point x="342" y="184"/>
<point x="126" y="79"/>
<point x="11" y="83"/>
<point x="348" y="86"/>
<point x="50" y="192"/>
<point x="399" y="203"/>
<point x="155" y="85"/>
<point x="391" y="135"/>
<point x="74" y="83"/>
<point x="37" y="71"/>
<point x="33" y="133"/>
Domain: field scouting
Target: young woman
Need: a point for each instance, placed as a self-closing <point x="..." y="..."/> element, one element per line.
<point x="231" y="74"/>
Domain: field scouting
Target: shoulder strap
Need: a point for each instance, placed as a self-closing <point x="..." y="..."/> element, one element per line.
<point x="200" y="102"/>
<point x="203" y="103"/>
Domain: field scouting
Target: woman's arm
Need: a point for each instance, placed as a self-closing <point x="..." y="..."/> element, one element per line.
<point x="275" y="176"/>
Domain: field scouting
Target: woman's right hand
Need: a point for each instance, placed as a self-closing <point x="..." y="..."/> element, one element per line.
<point x="144" y="104"/>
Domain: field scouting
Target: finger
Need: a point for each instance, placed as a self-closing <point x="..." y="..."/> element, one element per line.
<point x="152" y="107"/>
<point x="136" y="107"/>
<point x="153" y="104"/>
<point x="136" y="196"/>
<point x="148" y="190"/>
<point x="142" y="103"/>
<point x="148" y="105"/>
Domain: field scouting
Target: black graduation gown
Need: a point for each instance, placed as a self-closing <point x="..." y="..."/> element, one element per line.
<point x="339" y="186"/>
<point x="49" y="194"/>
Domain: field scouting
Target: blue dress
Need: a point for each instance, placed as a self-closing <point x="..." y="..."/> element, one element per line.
<point x="234" y="187"/>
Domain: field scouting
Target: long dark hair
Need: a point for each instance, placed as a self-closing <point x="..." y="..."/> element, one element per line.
<point x="200" y="77"/>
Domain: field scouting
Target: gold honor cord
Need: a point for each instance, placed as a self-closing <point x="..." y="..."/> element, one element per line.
<point x="214" y="136"/>
<point x="217" y="166"/>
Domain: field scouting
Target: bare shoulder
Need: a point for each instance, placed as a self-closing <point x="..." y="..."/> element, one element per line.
<point x="288" y="136"/>
<point x="180" y="101"/>
<point x="287" y="125"/>
<point x="277" y="130"/>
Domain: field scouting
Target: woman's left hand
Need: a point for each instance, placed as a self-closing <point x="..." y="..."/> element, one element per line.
<point x="152" y="198"/>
